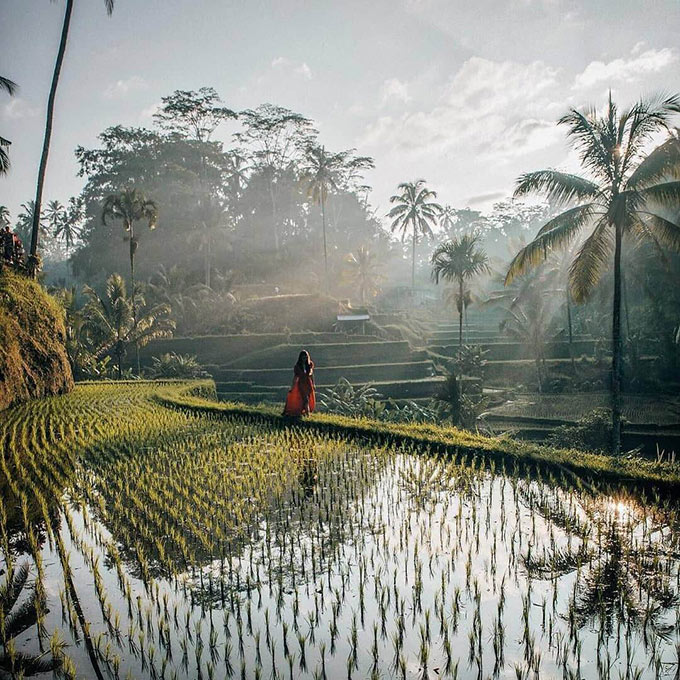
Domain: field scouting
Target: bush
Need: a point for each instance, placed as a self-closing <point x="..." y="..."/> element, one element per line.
<point x="592" y="432"/>
<point x="173" y="365"/>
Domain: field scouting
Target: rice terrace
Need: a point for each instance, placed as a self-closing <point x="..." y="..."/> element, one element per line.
<point x="340" y="340"/>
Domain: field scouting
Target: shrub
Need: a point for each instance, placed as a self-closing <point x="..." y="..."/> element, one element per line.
<point x="172" y="365"/>
<point x="592" y="432"/>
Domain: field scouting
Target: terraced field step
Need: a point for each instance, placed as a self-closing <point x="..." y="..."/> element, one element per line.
<point x="222" y="348"/>
<point x="329" y="354"/>
<point x="502" y="350"/>
<point x="400" y="389"/>
<point x="329" y="375"/>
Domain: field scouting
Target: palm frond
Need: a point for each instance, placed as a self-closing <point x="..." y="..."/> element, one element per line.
<point x="591" y="261"/>
<point x="583" y="129"/>
<point x="557" y="233"/>
<point x="558" y="187"/>
<point x="665" y="194"/>
<point x="23" y="617"/>
<point x="662" y="163"/>
<point x="647" y="117"/>
<point x="12" y="587"/>
<point x="8" y="86"/>
<point x="664" y="230"/>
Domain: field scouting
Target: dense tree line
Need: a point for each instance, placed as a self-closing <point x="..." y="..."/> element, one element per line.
<point x="259" y="207"/>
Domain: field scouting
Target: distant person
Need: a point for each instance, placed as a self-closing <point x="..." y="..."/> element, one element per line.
<point x="7" y="243"/>
<point x="301" y="399"/>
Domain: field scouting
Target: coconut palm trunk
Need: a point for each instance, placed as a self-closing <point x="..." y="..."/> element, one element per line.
<point x="616" y="345"/>
<point x="460" y="311"/>
<point x="413" y="263"/>
<point x="35" y="227"/>
<point x="325" y="249"/>
<point x="571" y="334"/>
<point x="133" y="248"/>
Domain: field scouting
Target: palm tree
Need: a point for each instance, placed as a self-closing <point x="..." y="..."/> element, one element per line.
<point x="68" y="228"/>
<point x="414" y="209"/>
<point x="329" y="172"/>
<point x="112" y="326"/>
<point x="363" y="270"/>
<point x="131" y="206"/>
<point x="10" y="87"/>
<point x="459" y="260"/>
<point x="35" y="232"/>
<point x="625" y="194"/>
<point x="321" y="173"/>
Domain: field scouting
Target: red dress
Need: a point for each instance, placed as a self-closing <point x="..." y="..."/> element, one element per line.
<point x="301" y="399"/>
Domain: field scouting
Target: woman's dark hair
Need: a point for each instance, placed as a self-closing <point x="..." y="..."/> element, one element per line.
<point x="304" y="361"/>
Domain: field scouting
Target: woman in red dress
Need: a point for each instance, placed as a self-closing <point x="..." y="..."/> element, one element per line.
<point x="301" y="399"/>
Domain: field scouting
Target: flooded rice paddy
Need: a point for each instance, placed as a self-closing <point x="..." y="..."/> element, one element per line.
<point x="236" y="550"/>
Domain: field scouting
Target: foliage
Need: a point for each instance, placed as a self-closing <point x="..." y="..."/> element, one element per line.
<point x="10" y="87"/>
<point x="364" y="401"/>
<point x="414" y="209"/>
<point x="18" y="617"/>
<point x="627" y="193"/>
<point x="363" y="270"/>
<point x="172" y="365"/>
<point x="459" y="260"/>
<point x="592" y="432"/>
<point x="111" y="326"/>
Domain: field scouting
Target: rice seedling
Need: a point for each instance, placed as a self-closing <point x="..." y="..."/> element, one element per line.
<point x="141" y="522"/>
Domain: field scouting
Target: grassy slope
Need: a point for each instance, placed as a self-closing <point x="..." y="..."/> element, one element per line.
<point x="33" y="360"/>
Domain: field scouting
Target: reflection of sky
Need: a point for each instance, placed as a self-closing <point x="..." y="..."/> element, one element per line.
<point x="420" y="515"/>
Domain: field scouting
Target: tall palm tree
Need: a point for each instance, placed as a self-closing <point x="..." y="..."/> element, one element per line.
<point x="131" y="206"/>
<point x="321" y="174"/>
<point x="112" y="326"/>
<point x="35" y="232"/>
<point x="10" y="87"/>
<point x="327" y="172"/>
<point x="626" y="193"/>
<point x="460" y="259"/>
<point x="414" y="209"/>
<point x="363" y="270"/>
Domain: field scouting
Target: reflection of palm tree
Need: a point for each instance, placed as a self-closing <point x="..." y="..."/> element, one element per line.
<point x="35" y="230"/>
<point x="627" y="195"/>
<point x="616" y="581"/>
<point x="16" y="620"/>
<point x="414" y="210"/>
<point x="363" y="270"/>
<point x="459" y="260"/>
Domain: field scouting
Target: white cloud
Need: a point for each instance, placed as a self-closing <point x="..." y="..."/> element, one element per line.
<point x="394" y="89"/>
<point x="121" y="88"/>
<point x="489" y="108"/>
<point x="300" y="69"/>
<point x="639" y="65"/>
<point x="18" y="108"/>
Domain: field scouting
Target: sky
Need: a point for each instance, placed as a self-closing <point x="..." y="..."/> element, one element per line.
<point x="463" y="94"/>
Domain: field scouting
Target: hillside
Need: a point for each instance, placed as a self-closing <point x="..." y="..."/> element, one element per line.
<point x="33" y="359"/>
